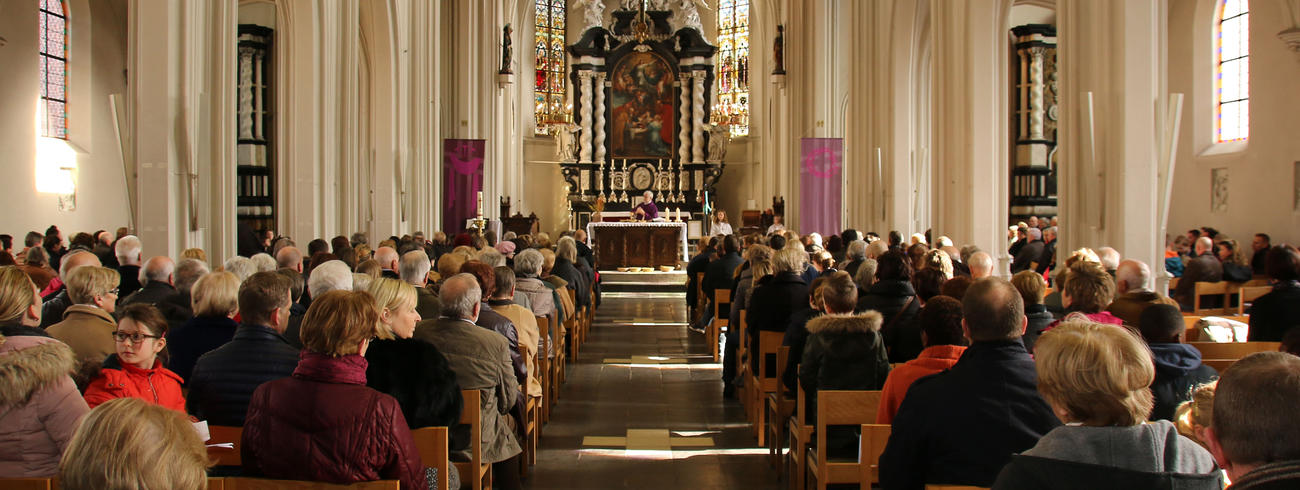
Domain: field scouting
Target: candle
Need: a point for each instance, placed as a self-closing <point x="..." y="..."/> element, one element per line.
<point x="480" y="203"/>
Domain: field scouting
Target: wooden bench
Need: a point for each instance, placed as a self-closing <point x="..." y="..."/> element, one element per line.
<point x="432" y="444"/>
<point x="800" y="432"/>
<point x="1203" y="289"/>
<point x="872" y="444"/>
<point x="697" y="309"/>
<point x="545" y="375"/>
<point x="476" y="471"/>
<point x="779" y="409"/>
<point x="1249" y="294"/>
<point x="27" y="484"/>
<point x="764" y="382"/>
<point x="839" y="408"/>
<point x="531" y="422"/>
<point x="1232" y="350"/>
<point x="721" y="315"/>
<point x="243" y="483"/>
<point x="573" y="328"/>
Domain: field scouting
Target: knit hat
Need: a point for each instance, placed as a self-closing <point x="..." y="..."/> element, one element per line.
<point x="506" y="248"/>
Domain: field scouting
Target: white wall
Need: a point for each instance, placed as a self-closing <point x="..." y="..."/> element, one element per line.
<point x="1261" y="172"/>
<point x="97" y="62"/>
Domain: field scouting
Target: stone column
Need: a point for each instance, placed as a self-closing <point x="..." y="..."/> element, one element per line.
<point x="585" y="143"/>
<point x="246" y="93"/>
<point x="697" y="118"/>
<point x="1032" y="176"/>
<point x="684" y="132"/>
<point x="600" y="117"/>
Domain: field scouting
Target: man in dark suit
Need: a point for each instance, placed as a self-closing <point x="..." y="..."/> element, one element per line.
<point x="1260" y="244"/>
<point x="1204" y="268"/>
<point x="1030" y="252"/>
<point x="719" y="275"/>
<point x="388" y="259"/>
<point x="961" y="426"/>
<point x="698" y="265"/>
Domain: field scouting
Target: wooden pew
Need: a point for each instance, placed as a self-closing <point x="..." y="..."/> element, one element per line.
<point x="838" y="408"/>
<point x="1232" y="350"/>
<point x="1219" y="365"/>
<point x="571" y="323"/>
<point x="764" y="382"/>
<point x="778" y="410"/>
<point x="721" y="313"/>
<point x="1190" y="333"/>
<point x="476" y="471"/>
<point x="742" y="367"/>
<point x="27" y="484"/>
<point x="800" y="434"/>
<point x="1249" y="294"/>
<point x="243" y="483"/>
<point x="698" y="307"/>
<point x="530" y="423"/>
<point x="216" y="483"/>
<point x="222" y="434"/>
<point x="432" y="444"/>
<point x="545" y="376"/>
<point x="1219" y="289"/>
<point x="873" y="441"/>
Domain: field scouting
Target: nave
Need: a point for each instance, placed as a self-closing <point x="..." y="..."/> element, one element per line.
<point x="643" y="408"/>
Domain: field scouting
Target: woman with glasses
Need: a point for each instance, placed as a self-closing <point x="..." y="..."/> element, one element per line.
<point x="87" y="326"/>
<point x="135" y="370"/>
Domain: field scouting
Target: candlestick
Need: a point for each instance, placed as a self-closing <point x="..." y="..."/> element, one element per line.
<point x="480" y="204"/>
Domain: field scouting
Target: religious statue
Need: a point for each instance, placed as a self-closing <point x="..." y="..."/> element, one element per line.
<point x="778" y="50"/>
<point x="650" y="5"/>
<point x="719" y="138"/>
<point x="687" y="15"/>
<point x="593" y="12"/>
<point x="566" y="141"/>
<point x="506" y="50"/>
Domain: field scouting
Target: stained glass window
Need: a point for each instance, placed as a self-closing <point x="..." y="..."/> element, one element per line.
<point x="732" y="78"/>
<point x="549" y="86"/>
<point x="54" y="69"/>
<point x="1232" y="75"/>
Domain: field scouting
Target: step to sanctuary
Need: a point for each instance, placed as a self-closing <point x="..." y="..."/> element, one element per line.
<point x="643" y="282"/>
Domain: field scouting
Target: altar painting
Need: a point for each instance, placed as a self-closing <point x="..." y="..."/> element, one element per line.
<point x="642" y="102"/>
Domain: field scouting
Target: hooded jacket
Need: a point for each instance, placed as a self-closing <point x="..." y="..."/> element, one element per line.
<point x="1038" y="319"/>
<point x="1178" y="372"/>
<point x="157" y="385"/>
<point x="39" y="405"/>
<point x="844" y="352"/>
<point x="934" y="359"/>
<point x="1147" y="456"/>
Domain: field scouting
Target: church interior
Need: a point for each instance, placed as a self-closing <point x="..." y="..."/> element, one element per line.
<point x="751" y="220"/>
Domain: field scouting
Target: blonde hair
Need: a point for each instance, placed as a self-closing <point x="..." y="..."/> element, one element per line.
<point x="449" y="264"/>
<point x="17" y="293"/>
<point x="1100" y="374"/>
<point x="131" y="444"/>
<point x="1031" y="286"/>
<point x="1197" y="412"/>
<point x="548" y="259"/>
<point x="1090" y="287"/>
<point x="937" y="259"/>
<point x="195" y="253"/>
<point x="86" y="282"/>
<point x="338" y="322"/>
<point x="392" y="295"/>
<point x="214" y="294"/>
<point x="790" y="260"/>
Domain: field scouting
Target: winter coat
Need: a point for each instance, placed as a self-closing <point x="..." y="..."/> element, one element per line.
<point x="129" y="280"/>
<point x="1281" y="475"/>
<point x="481" y="361"/>
<point x="1275" y="312"/>
<point x="844" y="352"/>
<point x="529" y="336"/>
<point x="796" y="338"/>
<point x="157" y="385"/>
<point x="933" y="359"/>
<point x="1147" y="456"/>
<point x="224" y="379"/>
<point x="323" y="424"/>
<point x="1038" y="319"/>
<point x="199" y="336"/>
<point x="498" y="323"/>
<point x="88" y="330"/>
<point x="539" y="296"/>
<point x="959" y="427"/>
<point x="52" y="308"/>
<point x="902" y="336"/>
<point x="427" y="303"/>
<point x="770" y="307"/>
<point x="1027" y="255"/>
<point x="40" y="407"/>
<point x="698" y="264"/>
<point x="720" y="273"/>
<point x="1236" y="272"/>
<point x="1178" y="372"/>
<point x="150" y="294"/>
<point x="1205" y="268"/>
<point x="577" y="280"/>
<point x="415" y="374"/>
<point x="1129" y="306"/>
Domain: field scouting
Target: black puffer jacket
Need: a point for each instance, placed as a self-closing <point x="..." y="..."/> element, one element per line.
<point x="224" y="379"/>
<point x="1178" y="372"/>
<point x="844" y="352"/>
<point x="418" y="376"/>
<point x="771" y="305"/>
<point x="902" y="336"/>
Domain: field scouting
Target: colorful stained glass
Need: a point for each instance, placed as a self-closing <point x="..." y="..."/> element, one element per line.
<point x="53" y="68"/>
<point x="732" y="77"/>
<point x="549" y="63"/>
<point x="1232" y="77"/>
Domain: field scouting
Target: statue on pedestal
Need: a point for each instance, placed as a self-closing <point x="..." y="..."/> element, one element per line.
<point x="719" y="138"/>
<point x="566" y="141"/>
<point x="506" y="50"/>
<point x="593" y="12"/>
<point x="687" y="14"/>
<point x="778" y="50"/>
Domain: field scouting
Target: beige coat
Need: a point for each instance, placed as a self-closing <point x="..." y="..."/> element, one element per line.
<point x="88" y="330"/>
<point x="39" y="405"/>
<point x="526" y="326"/>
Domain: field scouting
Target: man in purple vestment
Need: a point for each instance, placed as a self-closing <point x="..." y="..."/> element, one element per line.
<point x="647" y="209"/>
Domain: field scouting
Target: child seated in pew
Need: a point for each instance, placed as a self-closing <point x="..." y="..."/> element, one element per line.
<point x="1178" y="366"/>
<point x="1195" y="415"/>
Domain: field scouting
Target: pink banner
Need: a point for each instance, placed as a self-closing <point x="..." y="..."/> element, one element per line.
<point x="821" y="184"/>
<point x="462" y="180"/>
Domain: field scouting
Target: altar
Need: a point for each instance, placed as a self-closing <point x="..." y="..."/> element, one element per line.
<point x="637" y="244"/>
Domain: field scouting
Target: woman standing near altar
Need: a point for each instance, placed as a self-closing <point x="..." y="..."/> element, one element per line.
<point x="719" y="224"/>
<point x="647" y="209"/>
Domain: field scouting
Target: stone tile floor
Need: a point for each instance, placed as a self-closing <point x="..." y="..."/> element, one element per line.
<point x="643" y="408"/>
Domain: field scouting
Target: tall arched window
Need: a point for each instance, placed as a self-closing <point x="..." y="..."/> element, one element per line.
<point x="549" y="88"/>
<point x="54" y="69"/>
<point x="1232" y="73"/>
<point x="732" y="78"/>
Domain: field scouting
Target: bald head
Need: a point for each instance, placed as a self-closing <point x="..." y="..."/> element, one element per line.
<point x="75" y="259"/>
<point x="460" y="296"/>
<point x="1204" y="245"/>
<point x="387" y="258"/>
<point x="981" y="265"/>
<point x="158" y="269"/>
<point x="289" y="258"/>
<point x="1131" y="275"/>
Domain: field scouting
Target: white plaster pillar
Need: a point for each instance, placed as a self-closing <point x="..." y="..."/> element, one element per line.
<point x="697" y="118"/>
<point x="1109" y="190"/>
<point x="600" y="117"/>
<point x="684" y="122"/>
<point x="585" y="100"/>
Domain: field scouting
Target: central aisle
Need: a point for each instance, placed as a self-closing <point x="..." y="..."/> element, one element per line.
<point x="643" y="408"/>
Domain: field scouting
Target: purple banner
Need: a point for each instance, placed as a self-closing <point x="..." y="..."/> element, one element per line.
<point x="462" y="180"/>
<point x="821" y="184"/>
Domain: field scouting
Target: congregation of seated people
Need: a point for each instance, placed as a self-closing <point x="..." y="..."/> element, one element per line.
<point x="1069" y="375"/>
<point x="333" y="353"/>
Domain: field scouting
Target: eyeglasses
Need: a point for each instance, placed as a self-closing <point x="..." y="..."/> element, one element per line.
<point x="134" y="337"/>
<point x="113" y="291"/>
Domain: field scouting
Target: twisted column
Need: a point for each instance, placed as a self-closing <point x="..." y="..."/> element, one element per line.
<point x="697" y="122"/>
<point x="584" y="88"/>
<point x="684" y="131"/>
<point x="246" y="93"/>
<point x="600" y="116"/>
<point x="1036" y="86"/>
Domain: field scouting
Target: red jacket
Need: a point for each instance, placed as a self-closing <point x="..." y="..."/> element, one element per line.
<point x="933" y="359"/>
<point x="323" y="424"/>
<point x="116" y="380"/>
